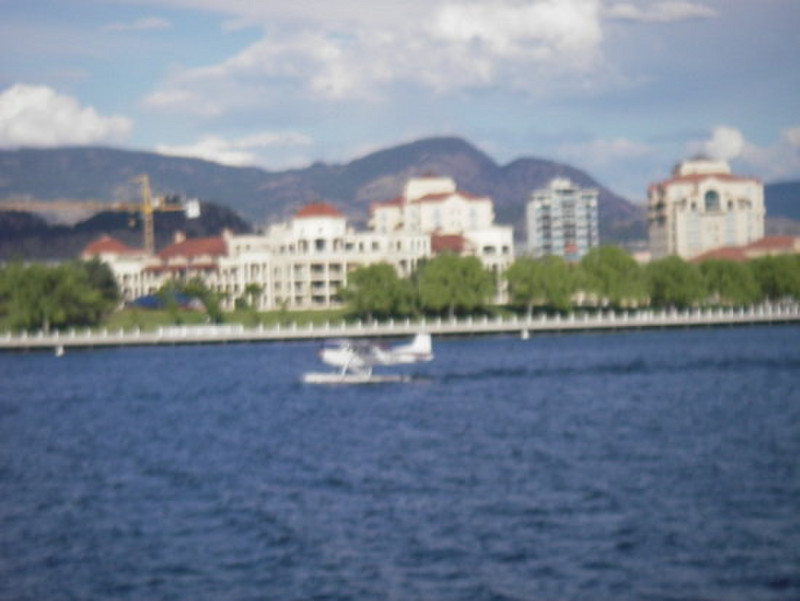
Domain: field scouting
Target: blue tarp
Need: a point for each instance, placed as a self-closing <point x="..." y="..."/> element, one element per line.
<point x="152" y="301"/>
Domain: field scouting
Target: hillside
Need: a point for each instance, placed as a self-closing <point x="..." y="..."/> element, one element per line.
<point x="27" y="236"/>
<point x="259" y="195"/>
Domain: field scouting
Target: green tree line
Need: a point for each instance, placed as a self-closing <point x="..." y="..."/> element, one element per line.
<point x="43" y="297"/>
<point x="606" y="277"/>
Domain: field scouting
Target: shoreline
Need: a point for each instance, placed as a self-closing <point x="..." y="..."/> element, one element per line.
<point x="521" y="326"/>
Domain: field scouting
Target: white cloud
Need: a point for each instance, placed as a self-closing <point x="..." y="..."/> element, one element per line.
<point x="780" y="160"/>
<point x="726" y="143"/>
<point x="535" y="31"/>
<point x="143" y="24"/>
<point x="240" y="152"/>
<point x="533" y="46"/>
<point x="38" y="116"/>
<point x="660" y="12"/>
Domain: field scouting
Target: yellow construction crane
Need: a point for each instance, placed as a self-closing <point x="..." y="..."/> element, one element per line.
<point x="147" y="214"/>
<point x="146" y="206"/>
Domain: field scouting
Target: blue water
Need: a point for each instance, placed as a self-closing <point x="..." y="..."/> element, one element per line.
<point x="649" y="465"/>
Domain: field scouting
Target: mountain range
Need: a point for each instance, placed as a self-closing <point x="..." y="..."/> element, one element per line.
<point x="260" y="196"/>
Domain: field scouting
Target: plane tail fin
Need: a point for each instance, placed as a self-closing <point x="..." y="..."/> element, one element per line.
<point x="422" y="344"/>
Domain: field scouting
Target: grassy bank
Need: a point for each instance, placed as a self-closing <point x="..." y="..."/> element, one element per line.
<point x="145" y="319"/>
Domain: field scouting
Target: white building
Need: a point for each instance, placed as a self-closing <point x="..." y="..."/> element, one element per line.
<point x="300" y="264"/>
<point x="127" y="264"/>
<point x="561" y="220"/>
<point x="433" y="206"/>
<point x="456" y="222"/>
<point x="702" y="207"/>
<point x="304" y="262"/>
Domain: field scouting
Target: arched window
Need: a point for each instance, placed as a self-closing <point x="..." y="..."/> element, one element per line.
<point x="712" y="200"/>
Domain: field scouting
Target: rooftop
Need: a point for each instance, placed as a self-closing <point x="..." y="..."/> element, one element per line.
<point x="318" y="209"/>
<point x="762" y="246"/>
<point x="195" y="247"/>
<point x="107" y="244"/>
<point x="454" y="243"/>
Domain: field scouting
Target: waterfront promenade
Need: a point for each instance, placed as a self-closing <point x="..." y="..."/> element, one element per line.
<point x="524" y="327"/>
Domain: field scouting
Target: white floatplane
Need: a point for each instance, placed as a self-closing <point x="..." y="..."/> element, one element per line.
<point x="355" y="360"/>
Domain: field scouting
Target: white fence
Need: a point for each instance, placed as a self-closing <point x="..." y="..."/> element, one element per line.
<point x="229" y="333"/>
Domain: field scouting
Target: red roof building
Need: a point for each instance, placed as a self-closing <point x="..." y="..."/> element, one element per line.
<point x="193" y="248"/>
<point x="432" y="204"/>
<point x="318" y="209"/>
<point x="726" y="253"/>
<point x="703" y="207"/>
<point x="768" y="246"/>
<point x="774" y="245"/>
<point x="108" y="246"/>
<point x="452" y="243"/>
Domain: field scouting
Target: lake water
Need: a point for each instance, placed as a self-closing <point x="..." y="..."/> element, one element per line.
<point x="647" y="465"/>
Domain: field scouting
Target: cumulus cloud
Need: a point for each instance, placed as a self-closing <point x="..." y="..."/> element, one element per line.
<point x="660" y="12"/>
<point x="240" y="152"/>
<point x="726" y="143"/>
<point x="779" y="160"/>
<point x="533" y="31"/>
<point x="492" y="43"/>
<point x="143" y="24"/>
<point x="38" y="116"/>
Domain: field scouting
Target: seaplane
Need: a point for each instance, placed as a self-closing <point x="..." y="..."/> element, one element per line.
<point x="354" y="360"/>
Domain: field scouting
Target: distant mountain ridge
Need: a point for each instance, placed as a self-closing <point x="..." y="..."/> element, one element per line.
<point x="260" y="195"/>
<point x="29" y="237"/>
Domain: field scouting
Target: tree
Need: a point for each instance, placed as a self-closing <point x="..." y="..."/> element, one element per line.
<point x="456" y="284"/>
<point x="376" y="291"/>
<point x="613" y="275"/>
<point x="729" y="283"/>
<point x="197" y="288"/>
<point x="42" y="297"/>
<point x="549" y="280"/>
<point x="674" y="283"/>
<point x="169" y="294"/>
<point x="102" y="279"/>
<point x="778" y="277"/>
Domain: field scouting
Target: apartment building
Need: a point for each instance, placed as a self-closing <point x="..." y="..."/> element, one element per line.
<point x="300" y="264"/>
<point x="561" y="219"/>
<point x="304" y="262"/>
<point x="434" y="206"/>
<point x="704" y="206"/>
<point x="456" y="222"/>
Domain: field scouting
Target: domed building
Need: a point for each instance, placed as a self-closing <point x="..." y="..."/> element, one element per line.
<point x="704" y="206"/>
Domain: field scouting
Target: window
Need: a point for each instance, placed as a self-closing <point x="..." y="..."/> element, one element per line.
<point x="711" y="200"/>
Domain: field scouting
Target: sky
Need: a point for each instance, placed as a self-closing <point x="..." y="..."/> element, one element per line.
<point x="621" y="89"/>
